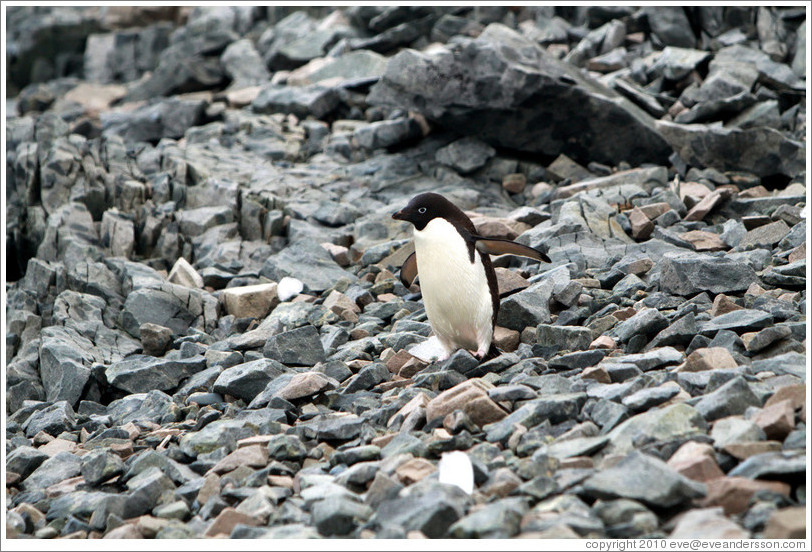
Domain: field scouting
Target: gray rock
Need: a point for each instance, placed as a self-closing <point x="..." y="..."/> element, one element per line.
<point x="385" y="134"/>
<point x="467" y="103"/>
<point x="499" y="519"/>
<point x="315" y="100"/>
<point x="729" y="400"/>
<point x="308" y="262"/>
<point x="143" y="373"/>
<point x="24" y="460"/>
<point x="144" y="490"/>
<point x="735" y="430"/>
<point x="64" y="359"/>
<point x="100" y="465"/>
<point x="671" y="26"/>
<point x="675" y="63"/>
<point x="650" y="397"/>
<point x="219" y="433"/>
<point x="243" y="64"/>
<point x="576" y="360"/>
<point x="169" y="118"/>
<point x="691" y="273"/>
<point x="298" y="347"/>
<point x="741" y="320"/>
<point x="767" y="337"/>
<point x="570" y="338"/>
<point x="465" y="155"/>
<point x="55" y="469"/>
<point x="149" y="407"/>
<point x="732" y="149"/>
<point x="249" y="379"/>
<point x="337" y="515"/>
<point x="555" y="408"/>
<point x="764" y="236"/>
<point x="356" y="66"/>
<point x="646" y="322"/>
<point x="286" y="448"/>
<point x="341" y="428"/>
<point x="53" y="419"/>
<point x="432" y="513"/>
<point x="664" y="356"/>
<point x="678" y="421"/>
<point x="644" y="478"/>
<point x="772" y="465"/>
<point x="529" y="307"/>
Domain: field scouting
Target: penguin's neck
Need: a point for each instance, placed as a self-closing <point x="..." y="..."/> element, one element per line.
<point x="438" y="238"/>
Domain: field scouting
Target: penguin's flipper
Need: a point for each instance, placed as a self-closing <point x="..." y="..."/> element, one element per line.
<point x="408" y="272"/>
<point x="494" y="246"/>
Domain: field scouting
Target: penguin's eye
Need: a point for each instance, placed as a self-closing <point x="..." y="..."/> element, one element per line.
<point x="421" y="210"/>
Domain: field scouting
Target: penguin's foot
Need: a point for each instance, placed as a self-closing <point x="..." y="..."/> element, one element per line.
<point x="480" y="353"/>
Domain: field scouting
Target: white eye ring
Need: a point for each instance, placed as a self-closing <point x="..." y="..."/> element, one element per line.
<point x="421" y="210"/>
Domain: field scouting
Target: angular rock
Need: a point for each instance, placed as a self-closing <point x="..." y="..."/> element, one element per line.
<point x="298" y="347"/>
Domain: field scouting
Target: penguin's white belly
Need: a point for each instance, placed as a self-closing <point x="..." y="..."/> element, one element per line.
<point x="455" y="290"/>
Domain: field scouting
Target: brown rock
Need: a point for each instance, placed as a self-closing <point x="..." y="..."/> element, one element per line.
<point x="56" y="446"/>
<point x="471" y="397"/>
<point x="506" y="339"/>
<point x="696" y="461"/>
<point x="704" y="241"/>
<point x="777" y="420"/>
<point x="95" y="97"/>
<point x="706" y="204"/>
<point x="414" y="470"/>
<point x="787" y="523"/>
<point x="708" y="358"/>
<point x="798" y="253"/>
<point x="395" y="362"/>
<point x="338" y="303"/>
<point x="577" y="462"/>
<point x="751" y="222"/>
<point x="796" y="394"/>
<point x="514" y="183"/>
<point x="603" y="342"/>
<point x="149" y="526"/>
<point x="508" y="281"/>
<point x="307" y="384"/>
<point x="419" y="402"/>
<point x="733" y="493"/>
<point x="501" y="483"/>
<point x="707" y="523"/>
<point x="250" y="301"/>
<point x="745" y="449"/>
<point x="210" y="487"/>
<point x="755" y="191"/>
<point x="624" y="314"/>
<point x="382" y="440"/>
<point x="642" y="227"/>
<point x="722" y="304"/>
<point x="597" y="373"/>
<point x="226" y="520"/>
<point x="285" y="481"/>
<point x="411" y="367"/>
<point x="639" y="266"/>
<point x="654" y="210"/>
<point x="242" y="97"/>
<point x="254" y="456"/>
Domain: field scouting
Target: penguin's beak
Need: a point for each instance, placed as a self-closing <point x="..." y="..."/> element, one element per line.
<point x="401" y="215"/>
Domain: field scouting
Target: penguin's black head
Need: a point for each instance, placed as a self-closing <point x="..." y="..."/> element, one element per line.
<point x="427" y="206"/>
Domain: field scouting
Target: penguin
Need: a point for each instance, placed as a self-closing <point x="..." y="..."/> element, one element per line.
<point x="457" y="278"/>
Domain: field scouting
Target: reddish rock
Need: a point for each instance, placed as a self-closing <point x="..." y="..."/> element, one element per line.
<point x="796" y="394"/>
<point x="514" y="183"/>
<point x="414" y="470"/>
<point x="701" y="209"/>
<point x="226" y="520"/>
<point x="707" y="523"/>
<point x="642" y="227"/>
<point x="733" y="493"/>
<point x="708" y="358"/>
<point x="703" y="240"/>
<point x="696" y="461"/>
<point x="603" y="342"/>
<point x="777" y="420"/>
<point x="597" y="373"/>
<point x="746" y="449"/>
<point x="471" y="397"/>
<point x="254" y="456"/>
<point x="722" y="304"/>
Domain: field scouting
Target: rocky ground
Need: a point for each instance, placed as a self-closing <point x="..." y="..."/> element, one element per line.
<point x="206" y="333"/>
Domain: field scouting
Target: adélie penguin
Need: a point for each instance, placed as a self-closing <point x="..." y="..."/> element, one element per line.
<point x="457" y="279"/>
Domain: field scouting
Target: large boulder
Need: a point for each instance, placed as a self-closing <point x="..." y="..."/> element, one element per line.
<point x="510" y="92"/>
